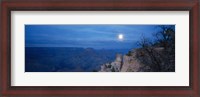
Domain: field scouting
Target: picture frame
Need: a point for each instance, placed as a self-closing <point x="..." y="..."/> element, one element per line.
<point x="193" y="90"/>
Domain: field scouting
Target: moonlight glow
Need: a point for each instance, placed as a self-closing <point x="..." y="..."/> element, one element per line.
<point x="120" y="36"/>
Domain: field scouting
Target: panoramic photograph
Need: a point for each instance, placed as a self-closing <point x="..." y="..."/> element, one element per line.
<point x="99" y="48"/>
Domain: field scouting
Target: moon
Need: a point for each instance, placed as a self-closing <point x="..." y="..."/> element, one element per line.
<point x="120" y="36"/>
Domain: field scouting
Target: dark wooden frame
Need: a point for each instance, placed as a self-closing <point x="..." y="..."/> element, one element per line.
<point x="99" y="5"/>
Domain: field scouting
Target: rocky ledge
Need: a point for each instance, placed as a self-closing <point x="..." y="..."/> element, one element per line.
<point x="123" y="63"/>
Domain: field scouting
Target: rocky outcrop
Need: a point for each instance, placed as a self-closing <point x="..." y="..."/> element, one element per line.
<point x="113" y="66"/>
<point x="130" y="64"/>
<point x="125" y="63"/>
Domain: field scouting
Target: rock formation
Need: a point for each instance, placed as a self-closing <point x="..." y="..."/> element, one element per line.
<point x="125" y="63"/>
<point x="139" y="60"/>
<point x="113" y="66"/>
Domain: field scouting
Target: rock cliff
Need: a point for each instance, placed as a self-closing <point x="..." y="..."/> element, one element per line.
<point x="123" y="63"/>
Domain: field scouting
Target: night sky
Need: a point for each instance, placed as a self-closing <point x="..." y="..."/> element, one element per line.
<point x="87" y="36"/>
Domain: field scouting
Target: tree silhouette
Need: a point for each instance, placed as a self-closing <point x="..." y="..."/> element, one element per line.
<point x="158" y="54"/>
